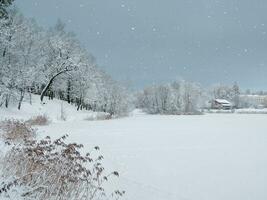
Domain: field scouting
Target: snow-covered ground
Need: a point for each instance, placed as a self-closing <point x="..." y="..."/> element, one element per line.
<point x="52" y="109"/>
<point x="206" y="157"/>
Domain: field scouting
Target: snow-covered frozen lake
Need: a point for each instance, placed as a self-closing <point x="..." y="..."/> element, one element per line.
<point x="209" y="157"/>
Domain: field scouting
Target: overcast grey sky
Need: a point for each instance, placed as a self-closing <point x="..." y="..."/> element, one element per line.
<point x="152" y="41"/>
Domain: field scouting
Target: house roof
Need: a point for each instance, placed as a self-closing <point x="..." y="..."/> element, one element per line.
<point x="223" y="101"/>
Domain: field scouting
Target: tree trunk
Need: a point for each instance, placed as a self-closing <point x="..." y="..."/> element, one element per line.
<point x="79" y="102"/>
<point x="50" y="83"/>
<point x="7" y="101"/>
<point x="68" y="91"/>
<point x="30" y="94"/>
<point x="22" y="92"/>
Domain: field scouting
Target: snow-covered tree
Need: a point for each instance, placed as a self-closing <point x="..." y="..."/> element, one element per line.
<point x="179" y="97"/>
<point x="230" y="93"/>
<point x="4" y="4"/>
<point x="236" y="95"/>
<point x="53" y="63"/>
<point x="62" y="53"/>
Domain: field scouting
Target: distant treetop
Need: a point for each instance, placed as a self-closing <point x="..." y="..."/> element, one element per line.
<point x="3" y="7"/>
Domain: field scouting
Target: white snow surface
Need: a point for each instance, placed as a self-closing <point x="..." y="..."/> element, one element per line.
<point x="52" y="109"/>
<point x="205" y="157"/>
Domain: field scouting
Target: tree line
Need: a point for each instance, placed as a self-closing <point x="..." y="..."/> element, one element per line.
<point x="183" y="97"/>
<point x="52" y="63"/>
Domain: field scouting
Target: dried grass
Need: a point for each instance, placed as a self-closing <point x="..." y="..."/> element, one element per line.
<point x="16" y="130"/>
<point x="40" y="120"/>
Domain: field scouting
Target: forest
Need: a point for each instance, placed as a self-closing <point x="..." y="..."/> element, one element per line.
<point x="52" y="63"/>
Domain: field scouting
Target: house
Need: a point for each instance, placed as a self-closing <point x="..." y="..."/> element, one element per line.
<point x="253" y="101"/>
<point x="222" y="104"/>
